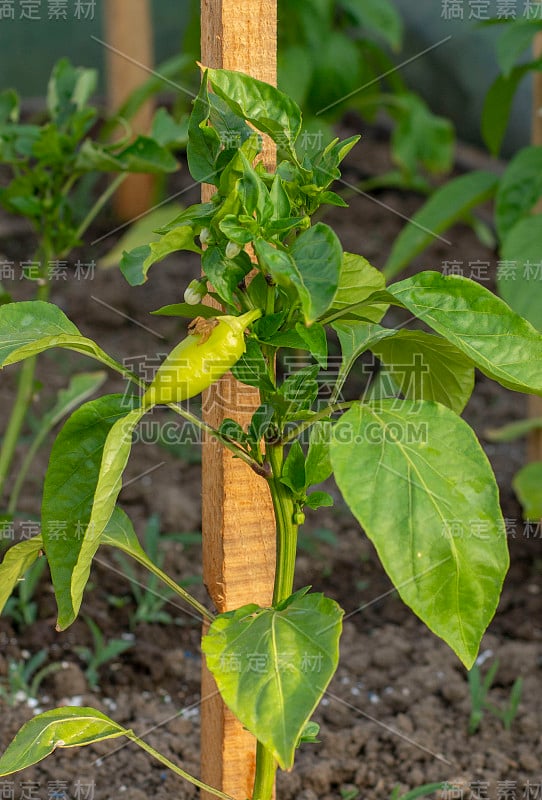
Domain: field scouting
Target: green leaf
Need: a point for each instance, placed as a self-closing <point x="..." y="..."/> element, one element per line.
<point x="203" y="141"/>
<point x="136" y="264"/>
<point x="358" y="280"/>
<point x="318" y="464"/>
<point x="188" y="311"/>
<point x="140" y="233"/>
<point x="167" y="131"/>
<point x="223" y="273"/>
<point x="27" y="322"/>
<point x="9" y="106"/>
<point x="447" y="205"/>
<point x="69" y="89"/>
<point x="520" y="188"/>
<point x="299" y="390"/>
<point x="69" y="488"/>
<point x="16" y="561"/>
<point x="70" y="726"/>
<point x="420" y="137"/>
<point x="514" y="40"/>
<point x="521" y="287"/>
<point x="272" y="666"/>
<point x="419" y="483"/>
<point x="317" y="500"/>
<point x="115" y="454"/>
<point x="252" y="367"/>
<point x="500" y="343"/>
<point x="293" y="469"/>
<point x="317" y="255"/>
<point x="267" y="108"/>
<point x="30" y="327"/>
<point x="355" y="338"/>
<point x="378" y="16"/>
<point x="498" y="105"/>
<point x="514" y="430"/>
<point x="427" y="367"/>
<point x="146" y="155"/>
<point x="527" y="485"/>
<point x="315" y="341"/>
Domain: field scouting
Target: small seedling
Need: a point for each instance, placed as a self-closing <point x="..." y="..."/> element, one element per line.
<point x="100" y="653"/>
<point x="25" y="677"/>
<point x="420" y="791"/>
<point x="479" y="689"/>
<point x="21" y="607"/>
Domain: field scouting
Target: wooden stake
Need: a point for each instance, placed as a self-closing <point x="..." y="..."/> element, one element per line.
<point x="238" y="520"/>
<point x="128" y="29"/>
<point x="534" y="443"/>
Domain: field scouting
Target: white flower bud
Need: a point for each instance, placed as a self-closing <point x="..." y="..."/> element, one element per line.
<point x="205" y="235"/>
<point x="232" y="249"/>
<point x="195" y="292"/>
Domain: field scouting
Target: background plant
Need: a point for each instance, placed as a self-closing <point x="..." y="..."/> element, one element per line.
<point x="52" y="165"/>
<point x="410" y="469"/>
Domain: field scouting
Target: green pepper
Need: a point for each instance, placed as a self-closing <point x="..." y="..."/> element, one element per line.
<point x="212" y="347"/>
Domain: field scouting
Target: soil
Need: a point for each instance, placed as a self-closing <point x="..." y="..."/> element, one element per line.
<point x="397" y="711"/>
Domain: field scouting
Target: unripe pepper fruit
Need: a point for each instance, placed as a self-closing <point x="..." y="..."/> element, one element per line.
<point x="212" y="347"/>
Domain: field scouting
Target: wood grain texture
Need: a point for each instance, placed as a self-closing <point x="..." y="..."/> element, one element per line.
<point x="238" y="522"/>
<point x="129" y="34"/>
<point x="534" y="443"/>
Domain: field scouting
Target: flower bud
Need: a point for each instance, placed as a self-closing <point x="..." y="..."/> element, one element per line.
<point x="195" y="292"/>
<point x="205" y="235"/>
<point x="232" y="249"/>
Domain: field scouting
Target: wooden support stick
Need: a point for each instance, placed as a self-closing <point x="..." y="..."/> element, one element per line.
<point x="128" y="31"/>
<point x="238" y="520"/>
<point x="534" y="443"/>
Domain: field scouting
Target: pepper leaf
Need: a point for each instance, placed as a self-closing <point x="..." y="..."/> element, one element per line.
<point x="70" y="726"/>
<point x="115" y="454"/>
<point x="268" y="109"/>
<point x="69" y="488"/>
<point x="272" y="666"/>
<point x="427" y="367"/>
<point x="136" y="264"/>
<point x="16" y="561"/>
<point x="498" y="341"/>
<point x="430" y="504"/>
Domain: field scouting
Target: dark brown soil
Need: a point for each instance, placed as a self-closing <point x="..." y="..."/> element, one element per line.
<point x="398" y="708"/>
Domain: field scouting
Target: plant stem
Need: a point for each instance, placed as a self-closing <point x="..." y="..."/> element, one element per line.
<point x="174" y="768"/>
<point x="23" y="398"/>
<point x="235" y="449"/>
<point x="264" y="780"/>
<point x="283" y="506"/>
<point x="99" y="204"/>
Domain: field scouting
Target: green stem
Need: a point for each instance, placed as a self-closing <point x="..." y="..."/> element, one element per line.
<point x="283" y="506"/>
<point x="25" y="466"/>
<point x="264" y="779"/>
<point x="186" y="596"/>
<point x="23" y="398"/>
<point x="99" y="204"/>
<point x="174" y="768"/>
<point x="235" y="449"/>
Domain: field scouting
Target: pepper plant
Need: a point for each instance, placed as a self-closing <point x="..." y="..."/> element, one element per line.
<point x="52" y="167"/>
<point x="408" y="466"/>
